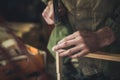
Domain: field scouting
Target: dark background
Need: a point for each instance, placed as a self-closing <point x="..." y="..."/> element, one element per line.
<point x="21" y="10"/>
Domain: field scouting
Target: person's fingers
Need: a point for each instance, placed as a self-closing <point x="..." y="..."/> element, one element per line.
<point x="80" y="54"/>
<point x="66" y="38"/>
<point x="48" y="19"/>
<point x="48" y="14"/>
<point x="72" y="36"/>
<point x="68" y="43"/>
<point x="71" y="51"/>
<point x="60" y="51"/>
<point x="45" y="11"/>
<point x="51" y="16"/>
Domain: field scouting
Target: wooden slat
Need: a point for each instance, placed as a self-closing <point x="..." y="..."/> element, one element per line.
<point x="104" y="56"/>
<point x="58" y="67"/>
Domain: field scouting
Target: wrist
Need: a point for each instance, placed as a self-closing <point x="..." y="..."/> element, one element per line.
<point x="105" y="36"/>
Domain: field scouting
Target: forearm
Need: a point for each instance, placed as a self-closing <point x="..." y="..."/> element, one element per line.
<point x="106" y="36"/>
<point x="113" y="22"/>
<point x="109" y="34"/>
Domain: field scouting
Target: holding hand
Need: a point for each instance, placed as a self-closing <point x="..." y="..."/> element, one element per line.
<point x="82" y="42"/>
<point x="48" y="13"/>
<point x="79" y="43"/>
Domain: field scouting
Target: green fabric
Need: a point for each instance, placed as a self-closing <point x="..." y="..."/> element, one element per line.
<point x="59" y="32"/>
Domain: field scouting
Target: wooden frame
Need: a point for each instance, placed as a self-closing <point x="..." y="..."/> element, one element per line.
<point x="97" y="55"/>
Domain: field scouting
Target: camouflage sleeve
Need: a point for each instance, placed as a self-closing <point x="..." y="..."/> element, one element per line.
<point x="114" y="22"/>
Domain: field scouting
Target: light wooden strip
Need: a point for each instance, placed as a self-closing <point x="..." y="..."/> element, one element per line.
<point x="58" y="67"/>
<point x="104" y="56"/>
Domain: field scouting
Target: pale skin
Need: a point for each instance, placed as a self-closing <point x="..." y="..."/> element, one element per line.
<point x="48" y="14"/>
<point x="80" y="43"/>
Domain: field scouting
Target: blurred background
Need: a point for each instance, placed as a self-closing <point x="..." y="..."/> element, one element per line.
<point x="24" y="17"/>
<point x="22" y="10"/>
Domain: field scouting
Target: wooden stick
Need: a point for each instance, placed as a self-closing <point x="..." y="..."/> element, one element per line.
<point x="98" y="55"/>
<point x="58" y="67"/>
<point x="104" y="56"/>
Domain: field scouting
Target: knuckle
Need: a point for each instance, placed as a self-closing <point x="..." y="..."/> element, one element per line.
<point x="78" y="32"/>
<point x="65" y="39"/>
<point x="80" y="40"/>
<point x="65" y="43"/>
<point x="69" y="51"/>
<point x="84" y="46"/>
<point x="75" y="56"/>
<point x="87" y="50"/>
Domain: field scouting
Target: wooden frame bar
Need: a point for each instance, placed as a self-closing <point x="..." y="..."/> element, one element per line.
<point x="104" y="56"/>
<point x="97" y="55"/>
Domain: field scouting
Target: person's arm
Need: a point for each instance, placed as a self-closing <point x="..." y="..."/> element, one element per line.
<point x="85" y="42"/>
<point x="106" y="36"/>
<point x="113" y="23"/>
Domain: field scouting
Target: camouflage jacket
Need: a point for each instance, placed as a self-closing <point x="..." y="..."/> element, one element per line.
<point x="92" y="15"/>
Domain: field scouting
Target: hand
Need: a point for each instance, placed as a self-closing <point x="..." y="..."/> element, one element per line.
<point x="48" y="13"/>
<point x="79" y="43"/>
